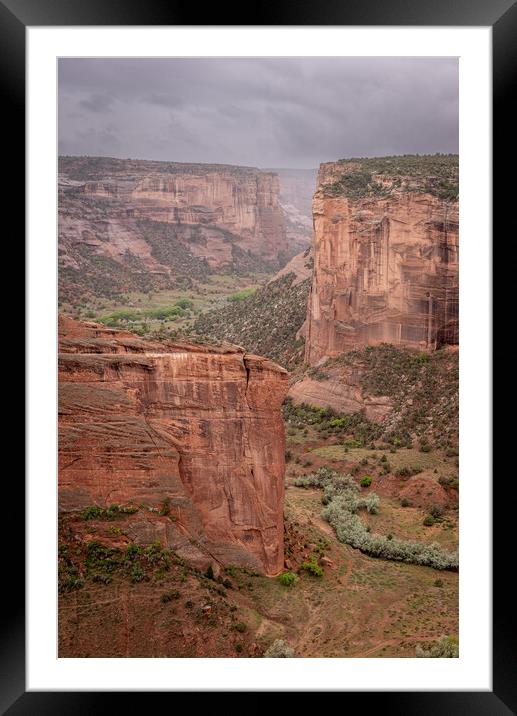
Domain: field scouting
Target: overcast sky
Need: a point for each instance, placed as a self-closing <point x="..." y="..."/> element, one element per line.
<point x="294" y="112"/>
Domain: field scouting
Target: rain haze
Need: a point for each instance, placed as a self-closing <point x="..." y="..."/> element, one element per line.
<point x="274" y="112"/>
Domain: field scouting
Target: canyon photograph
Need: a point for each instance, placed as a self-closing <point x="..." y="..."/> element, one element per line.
<point x="258" y="357"/>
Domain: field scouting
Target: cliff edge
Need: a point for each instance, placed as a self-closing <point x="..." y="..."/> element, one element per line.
<point x="192" y="428"/>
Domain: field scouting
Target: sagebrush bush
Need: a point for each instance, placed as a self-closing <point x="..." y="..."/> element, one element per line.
<point x="445" y="648"/>
<point x="343" y="501"/>
<point x="279" y="649"/>
<point x="449" y="481"/>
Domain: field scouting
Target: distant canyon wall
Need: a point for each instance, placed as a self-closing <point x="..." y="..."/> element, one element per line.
<point x="197" y="427"/>
<point x="296" y="191"/>
<point x="215" y="218"/>
<point x="242" y="202"/>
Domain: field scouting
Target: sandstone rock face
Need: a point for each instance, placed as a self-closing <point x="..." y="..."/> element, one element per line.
<point x="143" y="422"/>
<point x="341" y="391"/>
<point x="213" y="218"/>
<point x="243" y="202"/>
<point x="385" y="266"/>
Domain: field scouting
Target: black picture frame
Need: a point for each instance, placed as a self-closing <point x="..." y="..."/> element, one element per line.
<point x="15" y="16"/>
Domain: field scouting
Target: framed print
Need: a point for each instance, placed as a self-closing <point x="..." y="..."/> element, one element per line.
<point x="253" y="254"/>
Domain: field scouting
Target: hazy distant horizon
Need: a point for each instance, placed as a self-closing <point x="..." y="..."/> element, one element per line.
<point x="261" y="112"/>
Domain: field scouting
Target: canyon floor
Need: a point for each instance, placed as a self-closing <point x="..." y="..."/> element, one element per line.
<point x="143" y="309"/>
<point x="359" y="607"/>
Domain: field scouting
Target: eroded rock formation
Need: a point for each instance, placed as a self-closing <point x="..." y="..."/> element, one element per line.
<point x="197" y="426"/>
<point x="212" y="217"/>
<point x="385" y="259"/>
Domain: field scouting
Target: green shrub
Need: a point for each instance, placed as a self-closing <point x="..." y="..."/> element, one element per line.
<point x="429" y="521"/>
<point x="241" y="627"/>
<point x="449" y="481"/>
<point x="287" y="578"/>
<point x="185" y="303"/>
<point x="451" y="452"/>
<point x="312" y="568"/>
<point x="166" y="507"/>
<point x="241" y="295"/>
<point x="366" y="481"/>
<point x="137" y="574"/>
<point x="94" y="512"/>
<point x="132" y="550"/>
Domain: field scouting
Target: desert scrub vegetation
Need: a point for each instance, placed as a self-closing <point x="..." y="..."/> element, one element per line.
<point x="286" y="579"/>
<point x="436" y="174"/>
<point x="103" y="562"/>
<point x="113" y="512"/>
<point x="264" y="322"/>
<point x="449" y="481"/>
<point x="343" y="486"/>
<point x="327" y="421"/>
<point x="95" y="562"/>
<point x="70" y="577"/>
<point x="446" y="647"/>
<point x="342" y="500"/>
<point x="241" y="295"/>
<point x="178" y="309"/>
<point x="279" y="649"/>
<point x="423" y="388"/>
<point x="312" y="567"/>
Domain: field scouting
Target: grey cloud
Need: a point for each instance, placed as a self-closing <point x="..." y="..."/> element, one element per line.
<point x="293" y="112"/>
<point x="97" y="103"/>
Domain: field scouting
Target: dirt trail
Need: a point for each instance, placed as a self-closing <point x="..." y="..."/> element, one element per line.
<point x="393" y="642"/>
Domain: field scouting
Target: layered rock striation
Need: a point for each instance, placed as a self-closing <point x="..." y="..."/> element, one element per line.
<point x="385" y="255"/>
<point x="196" y="428"/>
<point x="145" y="221"/>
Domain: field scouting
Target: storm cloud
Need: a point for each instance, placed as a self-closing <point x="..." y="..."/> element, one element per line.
<point x="266" y="112"/>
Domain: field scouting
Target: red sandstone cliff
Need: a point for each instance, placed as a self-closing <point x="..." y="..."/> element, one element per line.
<point x="153" y="221"/>
<point x="385" y="262"/>
<point x="143" y="422"/>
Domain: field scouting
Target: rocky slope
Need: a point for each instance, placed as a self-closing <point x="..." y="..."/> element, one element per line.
<point x="137" y="225"/>
<point x="407" y="395"/>
<point x="190" y="436"/>
<point x="267" y="322"/>
<point x="385" y="255"/>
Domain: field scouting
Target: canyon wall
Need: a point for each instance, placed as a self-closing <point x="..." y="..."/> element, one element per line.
<point x="385" y="256"/>
<point x="296" y="192"/>
<point x="213" y="218"/>
<point x="196" y="427"/>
